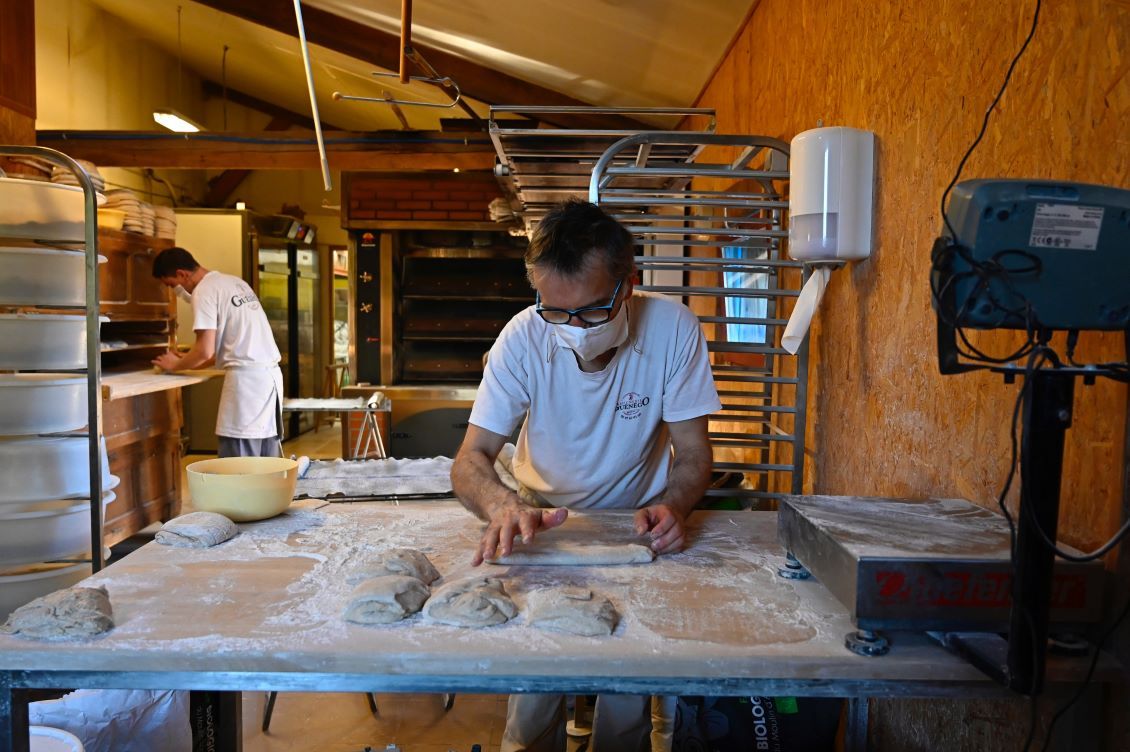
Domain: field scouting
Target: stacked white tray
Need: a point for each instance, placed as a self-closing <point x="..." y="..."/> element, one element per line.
<point x="44" y="449"/>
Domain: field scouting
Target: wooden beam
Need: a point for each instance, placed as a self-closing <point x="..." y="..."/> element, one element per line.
<point x="290" y="150"/>
<point x="216" y="91"/>
<point x="381" y="49"/>
<point x="224" y="184"/>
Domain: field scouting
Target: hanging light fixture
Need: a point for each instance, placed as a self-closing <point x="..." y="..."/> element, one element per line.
<point x="175" y="121"/>
<point x="168" y="117"/>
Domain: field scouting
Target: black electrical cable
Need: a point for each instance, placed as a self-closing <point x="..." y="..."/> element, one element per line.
<point x="988" y="113"/>
<point x="1089" y="675"/>
<point x="979" y="268"/>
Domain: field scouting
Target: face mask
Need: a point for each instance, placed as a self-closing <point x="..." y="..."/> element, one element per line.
<point x="183" y="294"/>
<point x="596" y="340"/>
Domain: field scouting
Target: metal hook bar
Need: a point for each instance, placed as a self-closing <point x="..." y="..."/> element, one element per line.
<point x="444" y="82"/>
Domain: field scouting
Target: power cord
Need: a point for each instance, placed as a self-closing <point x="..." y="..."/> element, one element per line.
<point x="985" y="271"/>
<point x="1087" y="678"/>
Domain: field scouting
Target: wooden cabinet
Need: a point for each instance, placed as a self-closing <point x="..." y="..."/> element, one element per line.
<point x="128" y="290"/>
<point x="143" y="442"/>
<point x="143" y="432"/>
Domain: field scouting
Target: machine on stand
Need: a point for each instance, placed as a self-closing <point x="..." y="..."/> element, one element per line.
<point x="1035" y="256"/>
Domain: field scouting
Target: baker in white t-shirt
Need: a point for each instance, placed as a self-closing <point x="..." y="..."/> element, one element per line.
<point x="232" y="330"/>
<point x="613" y="390"/>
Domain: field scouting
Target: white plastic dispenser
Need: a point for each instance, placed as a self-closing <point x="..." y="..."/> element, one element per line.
<point x="831" y="191"/>
<point x="831" y="184"/>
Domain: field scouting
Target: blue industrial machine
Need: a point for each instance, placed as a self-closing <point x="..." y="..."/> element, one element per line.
<point x="1035" y="254"/>
<point x="1038" y="256"/>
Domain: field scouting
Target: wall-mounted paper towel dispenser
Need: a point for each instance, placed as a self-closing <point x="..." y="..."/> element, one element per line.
<point x="831" y="185"/>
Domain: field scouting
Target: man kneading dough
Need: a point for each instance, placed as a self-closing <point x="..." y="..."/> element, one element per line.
<point x="613" y="388"/>
<point x="232" y="330"/>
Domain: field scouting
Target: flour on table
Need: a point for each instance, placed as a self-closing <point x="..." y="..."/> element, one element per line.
<point x="567" y="554"/>
<point x="575" y="610"/>
<point x="74" y="613"/>
<point x="197" y="530"/>
<point x="384" y="600"/>
<point x="474" y="602"/>
<point x="403" y="561"/>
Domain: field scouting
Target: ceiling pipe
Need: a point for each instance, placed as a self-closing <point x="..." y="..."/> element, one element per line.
<point x="326" y="179"/>
<point x="405" y="37"/>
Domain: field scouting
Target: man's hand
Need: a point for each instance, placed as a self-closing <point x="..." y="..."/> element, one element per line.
<point x="167" y="360"/>
<point x="664" y="525"/>
<point x="512" y="519"/>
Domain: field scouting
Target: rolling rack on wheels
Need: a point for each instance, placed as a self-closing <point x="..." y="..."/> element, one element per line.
<point x="92" y="368"/>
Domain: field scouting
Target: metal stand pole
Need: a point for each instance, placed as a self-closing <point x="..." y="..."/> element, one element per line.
<point x="1047" y="416"/>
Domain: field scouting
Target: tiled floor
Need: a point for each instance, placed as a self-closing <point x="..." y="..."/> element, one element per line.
<point x="341" y="722"/>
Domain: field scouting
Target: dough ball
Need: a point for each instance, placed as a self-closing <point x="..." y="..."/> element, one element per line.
<point x="196" y="530"/>
<point x="474" y="602"/>
<point x="383" y="600"/>
<point x="70" y="614"/>
<point x="403" y="561"/>
<point x="574" y="610"/>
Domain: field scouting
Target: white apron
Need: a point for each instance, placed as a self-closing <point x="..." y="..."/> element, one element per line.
<point x="251" y="402"/>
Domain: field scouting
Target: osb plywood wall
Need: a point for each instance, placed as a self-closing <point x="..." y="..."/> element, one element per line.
<point x="920" y="75"/>
<point x="882" y="420"/>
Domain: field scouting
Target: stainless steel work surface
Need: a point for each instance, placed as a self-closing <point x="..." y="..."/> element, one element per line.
<point x="269" y="603"/>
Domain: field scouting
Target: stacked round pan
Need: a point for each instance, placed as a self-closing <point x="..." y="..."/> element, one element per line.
<point x="44" y="450"/>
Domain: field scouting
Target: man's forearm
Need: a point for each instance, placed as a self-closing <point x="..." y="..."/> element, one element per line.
<point x="688" y="481"/>
<point x="193" y="359"/>
<point x="477" y="485"/>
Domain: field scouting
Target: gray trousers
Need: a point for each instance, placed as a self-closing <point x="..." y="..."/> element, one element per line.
<point x="231" y="447"/>
<point x="536" y="723"/>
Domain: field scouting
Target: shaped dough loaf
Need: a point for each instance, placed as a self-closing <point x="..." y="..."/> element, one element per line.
<point x="74" y="613"/>
<point x="403" y="561"/>
<point x="576" y="554"/>
<point x="475" y="602"/>
<point x="383" y="600"/>
<point x="196" y="530"/>
<point x="572" y="609"/>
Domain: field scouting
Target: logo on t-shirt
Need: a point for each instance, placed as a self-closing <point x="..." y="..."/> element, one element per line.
<point x="631" y="405"/>
<point x="249" y="299"/>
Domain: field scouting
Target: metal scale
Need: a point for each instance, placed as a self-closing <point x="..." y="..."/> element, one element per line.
<point x="920" y="565"/>
<point x="1018" y="254"/>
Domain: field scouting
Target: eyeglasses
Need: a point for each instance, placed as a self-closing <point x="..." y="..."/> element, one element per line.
<point x="588" y="314"/>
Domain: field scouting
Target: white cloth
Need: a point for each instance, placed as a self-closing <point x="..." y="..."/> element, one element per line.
<point x="251" y="399"/>
<point x="597" y="440"/>
<point x="243" y="335"/>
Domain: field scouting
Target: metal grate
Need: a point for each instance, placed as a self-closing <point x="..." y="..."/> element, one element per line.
<point x="540" y="167"/>
<point x="709" y="212"/>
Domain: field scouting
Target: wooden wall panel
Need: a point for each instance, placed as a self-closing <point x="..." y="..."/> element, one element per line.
<point x="882" y="419"/>
<point x="17" y="56"/>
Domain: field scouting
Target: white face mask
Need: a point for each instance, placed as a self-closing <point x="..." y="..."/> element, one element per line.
<point x="183" y="294"/>
<point x="596" y="340"/>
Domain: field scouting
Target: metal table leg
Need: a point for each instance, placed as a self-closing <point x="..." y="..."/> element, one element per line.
<point x="13" y="718"/>
<point x="855" y="731"/>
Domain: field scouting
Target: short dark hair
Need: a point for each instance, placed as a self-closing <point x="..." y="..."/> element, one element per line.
<point x="574" y="232"/>
<point x="172" y="260"/>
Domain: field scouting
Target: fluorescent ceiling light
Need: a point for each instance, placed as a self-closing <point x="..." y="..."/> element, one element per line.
<point x="176" y="122"/>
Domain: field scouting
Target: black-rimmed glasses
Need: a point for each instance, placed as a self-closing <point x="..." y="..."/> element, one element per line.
<point x="588" y="314"/>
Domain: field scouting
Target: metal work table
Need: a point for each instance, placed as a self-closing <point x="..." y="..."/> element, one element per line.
<point x="369" y="442"/>
<point x="263" y="612"/>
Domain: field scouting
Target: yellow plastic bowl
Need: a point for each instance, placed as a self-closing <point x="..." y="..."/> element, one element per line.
<point x="243" y="488"/>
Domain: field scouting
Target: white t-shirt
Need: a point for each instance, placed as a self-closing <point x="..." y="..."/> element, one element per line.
<point x="597" y="440"/>
<point x="243" y="335"/>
